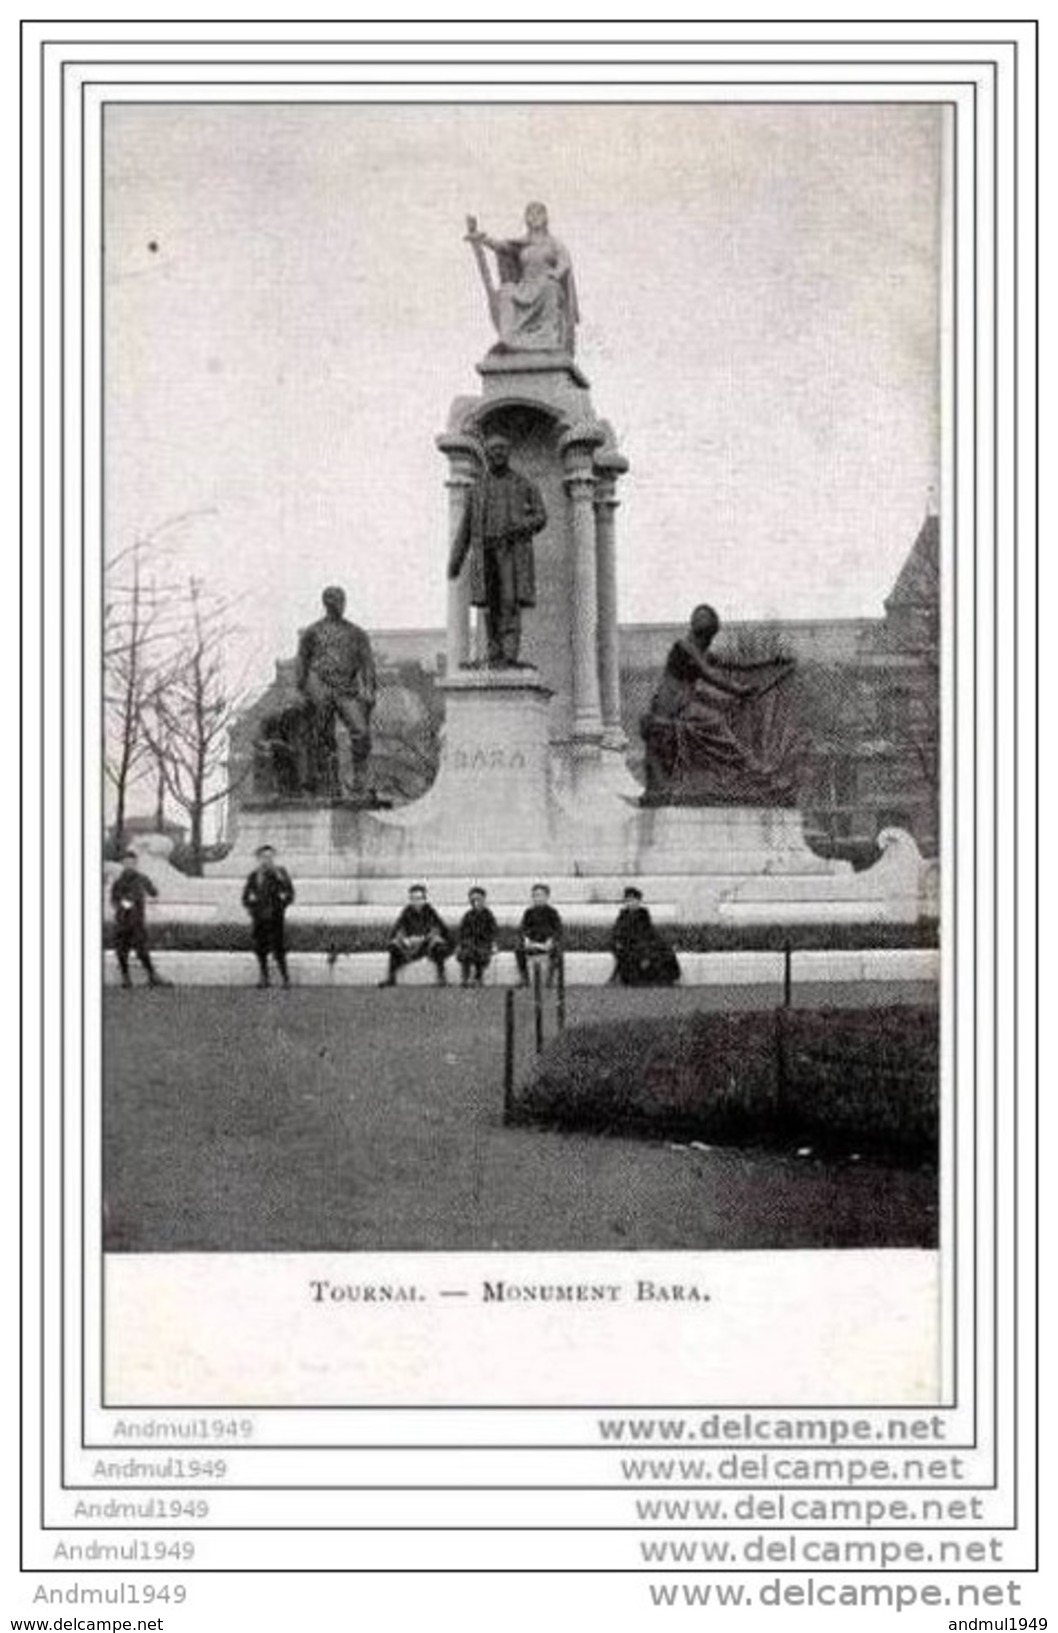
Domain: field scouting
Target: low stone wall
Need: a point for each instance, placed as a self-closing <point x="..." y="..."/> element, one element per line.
<point x="582" y="968"/>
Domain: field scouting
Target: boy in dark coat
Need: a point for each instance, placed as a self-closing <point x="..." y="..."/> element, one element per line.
<point x="266" y="896"/>
<point x="477" y="939"/>
<point x="419" y="932"/>
<point x="540" y="936"/>
<point x="128" y="897"/>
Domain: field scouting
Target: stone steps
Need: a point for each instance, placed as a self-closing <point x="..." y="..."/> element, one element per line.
<point x="780" y="886"/>
<point x="450" y="893"/>
<point x="582" y="969"/>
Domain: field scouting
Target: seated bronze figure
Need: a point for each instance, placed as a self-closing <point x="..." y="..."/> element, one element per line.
<point x="718" y="732"/>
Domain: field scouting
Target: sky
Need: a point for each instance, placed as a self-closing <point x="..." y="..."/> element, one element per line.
<point x="290" y="310"/>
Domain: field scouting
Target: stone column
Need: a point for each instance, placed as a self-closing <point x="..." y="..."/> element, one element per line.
<point x="577" y="448"/>
<point x="463" y="457"/>
<point x="608" y="467"/>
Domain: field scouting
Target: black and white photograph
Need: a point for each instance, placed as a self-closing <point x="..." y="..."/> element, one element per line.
<point x="522" y="673"/>
<point x="528" y="632"/>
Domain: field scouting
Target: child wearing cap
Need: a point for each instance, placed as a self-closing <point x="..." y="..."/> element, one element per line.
<point x="641" y="957"/>
<point x="540" y="935"/>
<point x="128" y="897"/>
<point x="267" y="894"/>
<point x="477" y="939"/>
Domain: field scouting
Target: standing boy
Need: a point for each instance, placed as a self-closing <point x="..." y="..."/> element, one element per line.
<point x="128" y="897"/>
<point x="266" y="896"/>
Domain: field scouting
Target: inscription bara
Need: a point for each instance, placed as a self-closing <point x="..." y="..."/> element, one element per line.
<point x="488" y="759"/>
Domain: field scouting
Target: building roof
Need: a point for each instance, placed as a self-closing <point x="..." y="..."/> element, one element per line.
<point x="918" y="581"/>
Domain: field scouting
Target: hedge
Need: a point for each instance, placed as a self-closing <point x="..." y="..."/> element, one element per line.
<point x="842" y="1080"/>
<point x="234" y="936"/>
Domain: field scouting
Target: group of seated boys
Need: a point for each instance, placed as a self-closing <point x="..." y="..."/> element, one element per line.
<point x="420" y="932"/>
<point x="640" y="955"/>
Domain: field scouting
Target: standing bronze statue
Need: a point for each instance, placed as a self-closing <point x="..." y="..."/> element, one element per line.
<point x="336" y="677"/>
<point x="718" y="732"/>
<point x="535" y="307"/>
<point x="503" y="512"/>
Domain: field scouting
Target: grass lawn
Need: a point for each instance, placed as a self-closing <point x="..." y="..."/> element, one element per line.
<point x="316" y="1120"/>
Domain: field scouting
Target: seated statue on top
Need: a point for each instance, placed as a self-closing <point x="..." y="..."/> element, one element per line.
<point x="535" y="307"/>
<point x="718" y="732"/>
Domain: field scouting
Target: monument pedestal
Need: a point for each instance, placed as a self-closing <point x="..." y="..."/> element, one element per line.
<point x="728" y="839"/>
<point x="489" y="808"/>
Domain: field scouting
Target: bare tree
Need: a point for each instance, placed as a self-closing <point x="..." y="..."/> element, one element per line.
<point x="134" y="635"/>
<point x="137" y="632"/>
<point x="191" y="707"/>
<point x="156" y="749"/>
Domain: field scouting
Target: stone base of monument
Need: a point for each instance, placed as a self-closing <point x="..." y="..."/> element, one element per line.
<point x="488" y="808"/>
<point x="507" y="808"/>
<point x="491" y="797"/>
<point x="344" y="886"/>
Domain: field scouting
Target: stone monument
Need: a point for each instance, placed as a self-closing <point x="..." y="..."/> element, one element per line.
<point x="532" y="780"/>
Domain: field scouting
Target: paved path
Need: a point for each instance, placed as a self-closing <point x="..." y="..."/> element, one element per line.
<point x="242" y="1121"/>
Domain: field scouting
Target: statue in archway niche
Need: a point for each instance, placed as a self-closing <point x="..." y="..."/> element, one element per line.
<point x="534" y="308"/>
<point x="504" y="510"/>
<point x="719" y="732"/>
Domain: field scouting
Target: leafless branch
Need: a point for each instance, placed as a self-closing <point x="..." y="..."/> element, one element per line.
<point x="192" y="706"/>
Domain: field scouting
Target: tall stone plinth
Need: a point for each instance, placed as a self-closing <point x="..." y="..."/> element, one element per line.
<point x="488" y="811"/>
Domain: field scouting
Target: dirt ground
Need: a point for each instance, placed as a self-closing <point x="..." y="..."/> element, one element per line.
<point x="316" y="1120"/>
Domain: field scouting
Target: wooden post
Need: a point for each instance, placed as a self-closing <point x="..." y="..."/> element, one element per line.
<point x="538" y="1005"/>
<point x="562" y="994"/>
<point x="780" y="1035"/>
<point x="508" y="1053"/>
<point x="780" y="1069"/>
